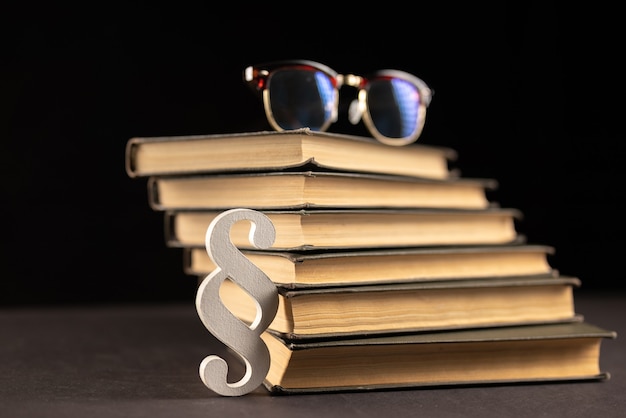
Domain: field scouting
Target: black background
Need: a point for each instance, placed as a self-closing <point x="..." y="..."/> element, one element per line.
<point x="531" y="95"/>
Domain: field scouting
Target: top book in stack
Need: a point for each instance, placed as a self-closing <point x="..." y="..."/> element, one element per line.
<point x="301" y="149"/>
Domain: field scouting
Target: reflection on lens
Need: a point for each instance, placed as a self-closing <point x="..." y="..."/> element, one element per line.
<point x="393" y="105"/>
<point x="301" y="98"/>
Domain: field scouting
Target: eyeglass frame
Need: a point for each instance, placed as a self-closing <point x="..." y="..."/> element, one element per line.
<point x="256" y="77"/>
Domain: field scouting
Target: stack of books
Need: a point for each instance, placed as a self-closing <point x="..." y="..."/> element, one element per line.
<point x="392" y="269"/>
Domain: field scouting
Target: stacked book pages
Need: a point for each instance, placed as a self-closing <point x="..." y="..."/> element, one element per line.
<point x="392" y="269"/>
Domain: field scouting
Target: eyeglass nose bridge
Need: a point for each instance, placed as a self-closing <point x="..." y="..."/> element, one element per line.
<point x="349" y="80"/>
<point x="357" y="106"/>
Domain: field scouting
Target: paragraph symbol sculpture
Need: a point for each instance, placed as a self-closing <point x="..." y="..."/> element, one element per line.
<point x="242" y="338"/>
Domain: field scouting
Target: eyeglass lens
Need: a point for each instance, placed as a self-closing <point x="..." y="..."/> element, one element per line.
<point x="393" y="105"/>
<point x="306" y="97"/>
<point x="301" y="98"/>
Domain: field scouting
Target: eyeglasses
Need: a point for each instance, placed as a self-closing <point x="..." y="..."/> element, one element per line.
<point x="298" y="94"/>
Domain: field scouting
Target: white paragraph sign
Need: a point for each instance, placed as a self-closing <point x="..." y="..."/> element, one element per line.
<point x="242" y="338"/>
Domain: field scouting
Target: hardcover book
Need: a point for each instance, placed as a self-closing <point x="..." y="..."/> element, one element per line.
<point x="275" y="151"/>
<point x="517" y="354"/>
<point x="297" y="190"/>
<point x="394" y="265"/>
<point x="333" y="312"/>
<point x="357" y="229"/>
